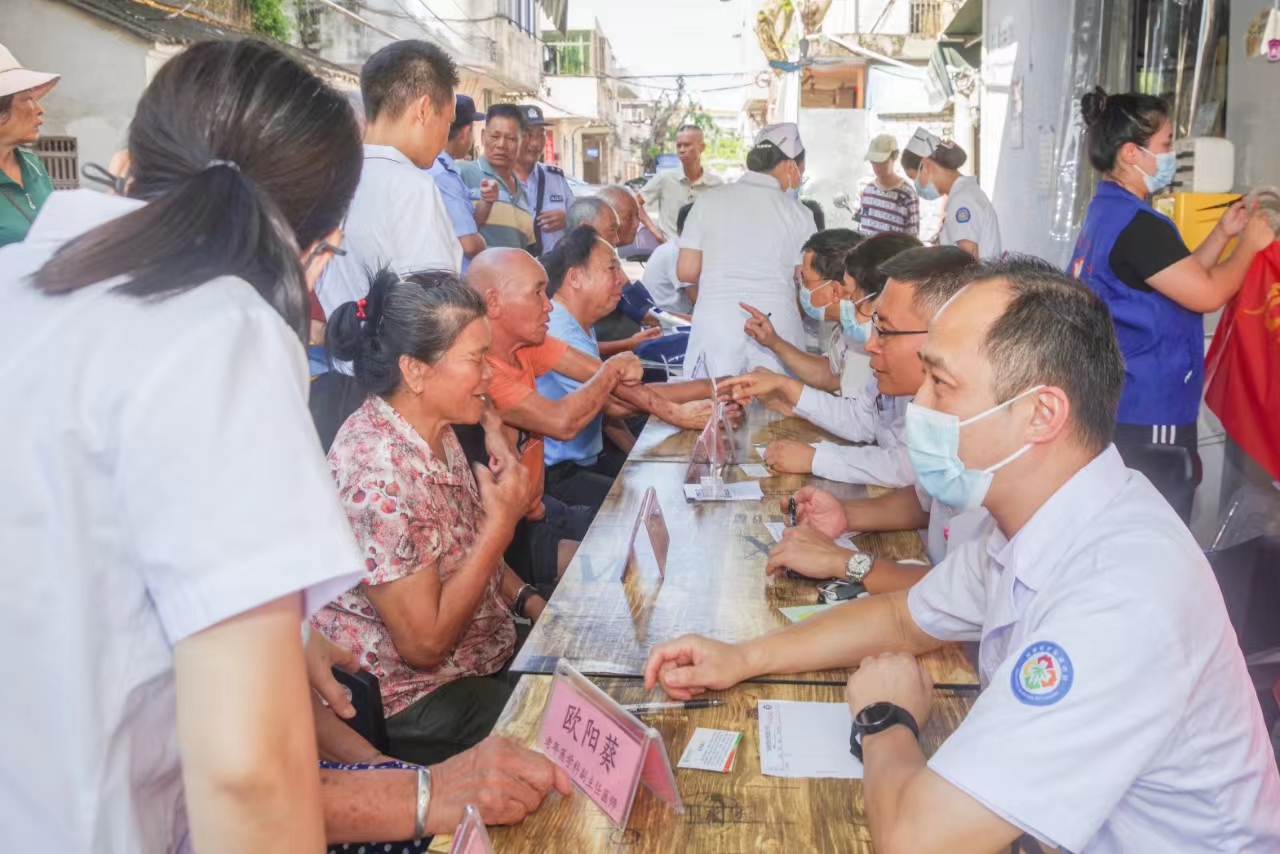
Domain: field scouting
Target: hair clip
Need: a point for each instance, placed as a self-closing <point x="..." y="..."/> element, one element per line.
<point x="360" y="304"/>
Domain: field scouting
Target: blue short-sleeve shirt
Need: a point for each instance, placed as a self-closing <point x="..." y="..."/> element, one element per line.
<point x="587" y="445"/>
<point x="457" y="199"/>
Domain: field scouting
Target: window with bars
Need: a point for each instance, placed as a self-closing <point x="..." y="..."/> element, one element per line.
<point x="61" y="158"/>
<point x="570" y="56"/>
<point x="523" y="13"/>
<point x="926" y="18"/>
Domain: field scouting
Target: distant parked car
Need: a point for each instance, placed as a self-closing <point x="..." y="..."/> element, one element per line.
<point x="581" y="188"/>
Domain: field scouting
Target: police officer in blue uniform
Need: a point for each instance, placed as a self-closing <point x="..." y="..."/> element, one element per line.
<point x="1158" y="290"/>
<point x="455" y="194"/>
<point x="546" y="187"/>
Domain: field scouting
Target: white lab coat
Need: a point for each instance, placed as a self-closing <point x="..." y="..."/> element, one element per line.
<point x="750" y="234"/>
<point x="869" y="417"/>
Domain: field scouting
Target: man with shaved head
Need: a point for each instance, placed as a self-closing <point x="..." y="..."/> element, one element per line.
<point x="672" y="189"/>
<point x="514" y="287"/>
<point x="1116" y="713"/>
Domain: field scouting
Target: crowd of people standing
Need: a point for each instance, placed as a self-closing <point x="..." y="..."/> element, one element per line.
<point x="189" y="563"/>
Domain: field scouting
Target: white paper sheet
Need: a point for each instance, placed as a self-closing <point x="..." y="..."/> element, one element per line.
<point x="746" y="491"/>
<point x="755" y="470"/>
<point x="806" y="740"/>
<point x="775" y="530"/>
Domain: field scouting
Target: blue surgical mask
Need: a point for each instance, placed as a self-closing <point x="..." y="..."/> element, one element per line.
<point x="806" y="302"/>
<point x="928" y="192"/>
<point x="1166" y="169"/>
<point x="933" y="443"/>
<point x="857" y="331"/>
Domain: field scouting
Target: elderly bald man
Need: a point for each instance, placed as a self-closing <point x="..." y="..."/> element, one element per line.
<point x="514" y="287"/>
<point x="624" y="328"/>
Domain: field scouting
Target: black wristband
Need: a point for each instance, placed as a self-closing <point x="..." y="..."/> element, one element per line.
<point x="879" y="717"/>
<point x="523" y="595"/>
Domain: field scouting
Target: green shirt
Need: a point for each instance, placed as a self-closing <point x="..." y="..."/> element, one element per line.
<point x="19" y="205"/>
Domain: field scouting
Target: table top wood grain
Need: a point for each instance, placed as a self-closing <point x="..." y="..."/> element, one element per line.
<point x="741" y="812"/>
<point x="715" y="582"/>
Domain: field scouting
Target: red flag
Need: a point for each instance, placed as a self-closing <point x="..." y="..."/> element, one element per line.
<point x="1242" y="370"/>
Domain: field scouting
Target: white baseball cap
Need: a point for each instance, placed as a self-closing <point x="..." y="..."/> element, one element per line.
<point x="14" y="78"/>
<point x="786" y="136"/>
<point x="881" y="148"/>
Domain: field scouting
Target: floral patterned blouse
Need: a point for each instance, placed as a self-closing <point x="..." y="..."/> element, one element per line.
<point x="409" y="510"/>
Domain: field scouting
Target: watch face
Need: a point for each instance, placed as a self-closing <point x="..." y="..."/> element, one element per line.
<point x="875" y="714"/>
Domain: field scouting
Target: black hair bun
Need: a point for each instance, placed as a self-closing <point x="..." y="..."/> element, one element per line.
<point x="1093" y="106"/>
<point x="353" y="326"/>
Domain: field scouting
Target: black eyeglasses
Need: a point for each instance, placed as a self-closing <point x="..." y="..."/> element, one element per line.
<point x="320" y="248"/>
<point x="99" y="175"/>
<point x="889" y="333"/>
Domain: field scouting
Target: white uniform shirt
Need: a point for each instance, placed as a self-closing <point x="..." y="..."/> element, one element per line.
<point x="1116" y="712"/>
<point x="971" y="216"/>
<point x="750" y="234"/>
<point x="947" y="527"/>
<point x="162" y="474"/>
<point x="397" y="219"/>
<point x="869" y="417"/>
<point x="661" y="281"/>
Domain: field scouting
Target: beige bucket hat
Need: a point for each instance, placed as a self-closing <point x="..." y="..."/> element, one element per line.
<point x="14" y="78"/>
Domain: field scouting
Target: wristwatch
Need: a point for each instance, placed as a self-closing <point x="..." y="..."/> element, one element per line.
<point x="857" y="566"/>
<point x="875" y="718"/>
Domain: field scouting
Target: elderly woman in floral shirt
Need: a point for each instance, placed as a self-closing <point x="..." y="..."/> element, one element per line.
<point x="432" y="617"/>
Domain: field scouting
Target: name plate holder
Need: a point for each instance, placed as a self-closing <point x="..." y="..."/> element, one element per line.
<point x="605" y="749"/>
<point x="655" y="525"/>
<point x="471" y="836"/>
<point x="713" y="453"/>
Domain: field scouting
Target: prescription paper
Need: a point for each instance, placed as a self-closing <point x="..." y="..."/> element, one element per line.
<point x="711" y="750"/>
<point x="755" y="470"/>
<point x="797" y="613"/>
<point x="747" y="491"/>
<point x="806" y="740"/>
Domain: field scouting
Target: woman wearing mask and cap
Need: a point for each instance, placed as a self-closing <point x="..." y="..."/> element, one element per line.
<point x="742" y="245"/>
<point x="1158" y="290"/>
<point x="970" y="221"/>
<point x="24" y="182"/>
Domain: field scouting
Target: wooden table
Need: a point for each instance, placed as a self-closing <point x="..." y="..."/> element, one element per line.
<point x="715" y="581"/>
<point x="741" y="812"/>
<point x="661" y="441"/>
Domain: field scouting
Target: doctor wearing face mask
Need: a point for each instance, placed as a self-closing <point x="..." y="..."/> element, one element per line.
<point x="1158" y="290"/>
<point x="970" y="221"/>
<point x="1116" y="713"/>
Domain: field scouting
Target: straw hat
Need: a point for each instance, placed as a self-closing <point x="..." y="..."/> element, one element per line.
<point x="14" y="78"/>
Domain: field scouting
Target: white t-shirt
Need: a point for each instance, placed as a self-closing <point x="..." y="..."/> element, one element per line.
<point x="1116" y="713"/>
<point x="661" y="281"/>
<point x="970" y="216"/>
<point x="750" y="234"/>
<point x="397" y="219"/>
<point x="162" y="474"/>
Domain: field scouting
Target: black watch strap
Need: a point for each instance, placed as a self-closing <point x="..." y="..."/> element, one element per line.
<point x="879" y="717"/>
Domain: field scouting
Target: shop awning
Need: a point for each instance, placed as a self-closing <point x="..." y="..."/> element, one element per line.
<point x="558" y="12"/>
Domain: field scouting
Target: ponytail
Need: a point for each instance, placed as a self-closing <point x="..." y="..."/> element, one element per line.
<point x="243" y="156"/>
<point x="216" y="222"/>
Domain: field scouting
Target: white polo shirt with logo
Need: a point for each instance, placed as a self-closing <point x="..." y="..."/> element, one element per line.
<point x="971" y="216"/>
<point x="1116" y="713"/>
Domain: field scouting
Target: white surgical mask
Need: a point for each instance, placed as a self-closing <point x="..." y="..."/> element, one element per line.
<point x="933" y="443"/>
<point x="817" y="312"/>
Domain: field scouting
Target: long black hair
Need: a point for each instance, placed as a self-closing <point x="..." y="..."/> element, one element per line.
<point x="243" y="156"/>
<point x="1111" y="121"/>
<point x="421" y="316"/>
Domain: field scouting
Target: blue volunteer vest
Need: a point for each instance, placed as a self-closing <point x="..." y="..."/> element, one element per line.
<point x="1162" y="342"/>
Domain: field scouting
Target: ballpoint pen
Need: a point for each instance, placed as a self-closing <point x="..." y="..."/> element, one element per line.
<point x="791" y="509"/>
<point x="654" y="708"/>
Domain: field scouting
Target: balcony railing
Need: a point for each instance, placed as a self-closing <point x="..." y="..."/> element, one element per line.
<point x="926" y="18"/>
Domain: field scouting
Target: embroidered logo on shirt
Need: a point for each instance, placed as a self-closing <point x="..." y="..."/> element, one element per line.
<point x="962" y="215"/>
<point x="1043" y="674"/>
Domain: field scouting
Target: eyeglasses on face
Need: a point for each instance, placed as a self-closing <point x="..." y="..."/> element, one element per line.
<point x="891" y="333"/>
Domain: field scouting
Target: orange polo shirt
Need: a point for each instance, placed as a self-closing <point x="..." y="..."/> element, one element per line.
<point x="512" y="384"/>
